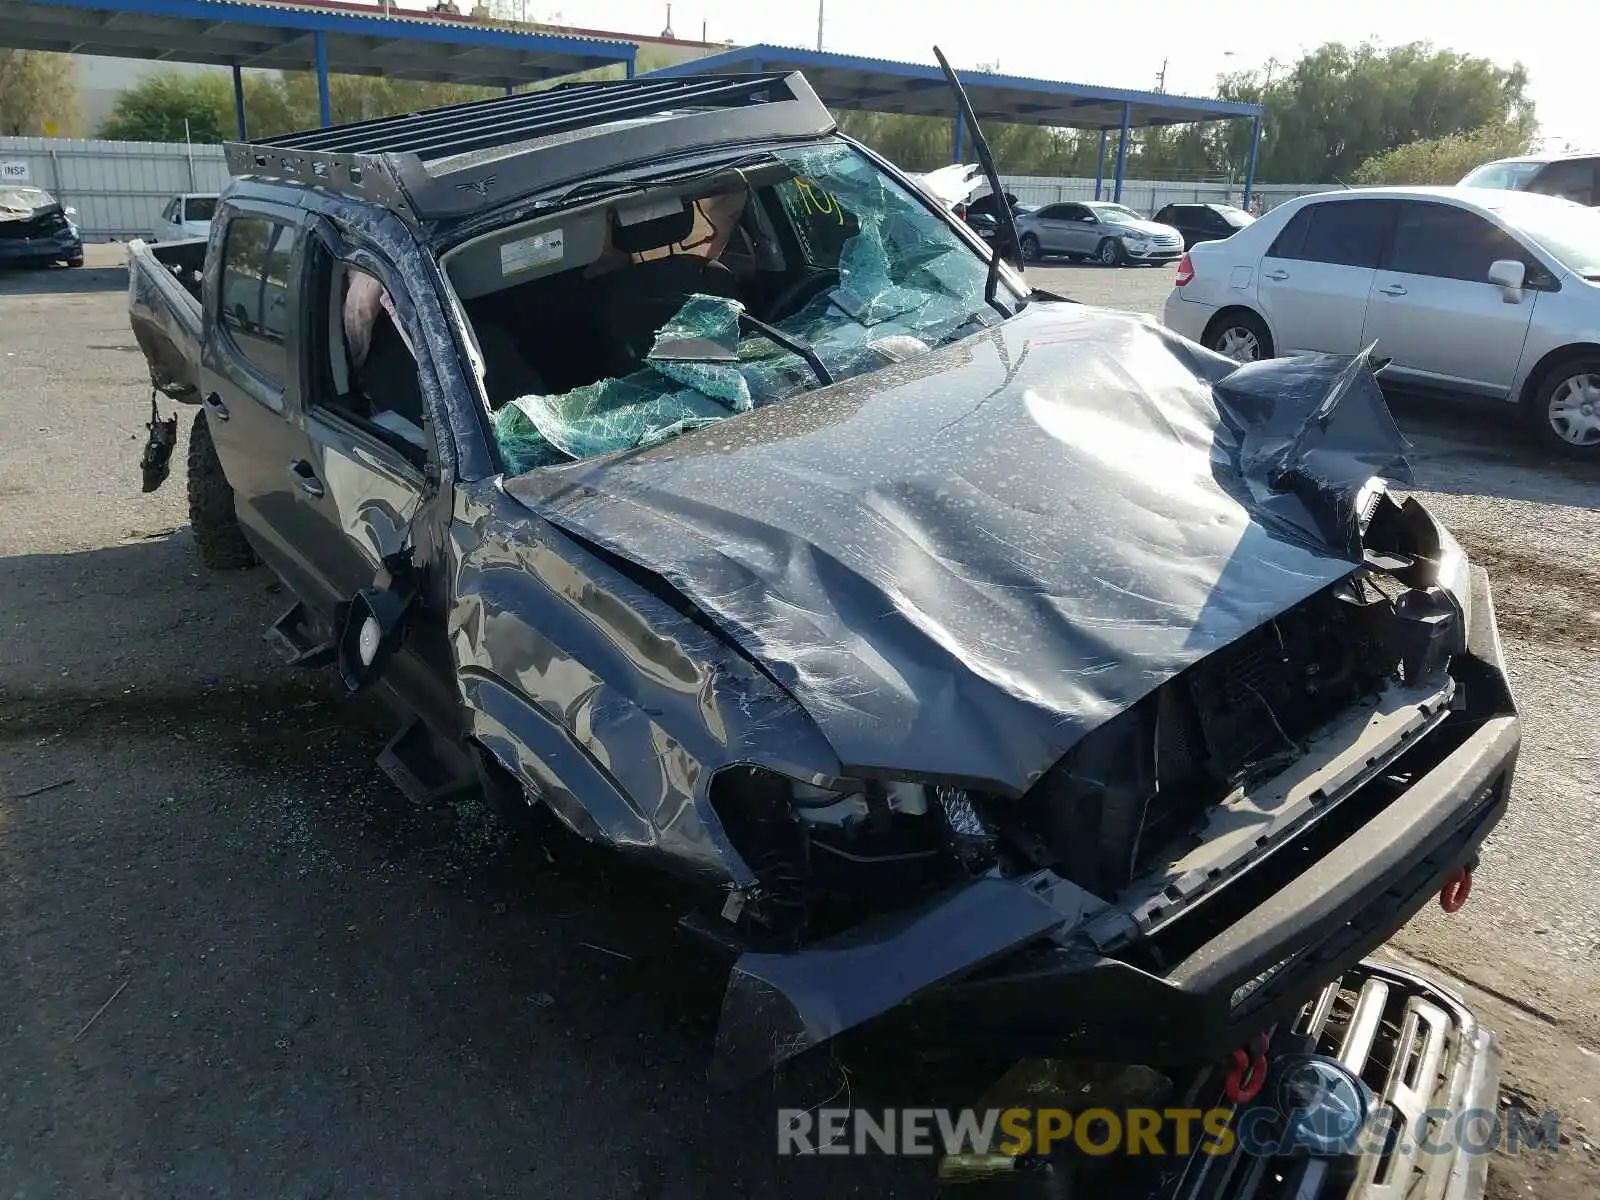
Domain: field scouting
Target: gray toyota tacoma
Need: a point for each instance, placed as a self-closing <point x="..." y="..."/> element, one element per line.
<point x="1007" y="665"/>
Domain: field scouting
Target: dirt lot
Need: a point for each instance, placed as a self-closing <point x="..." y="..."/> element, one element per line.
<point x="317" y="990"/>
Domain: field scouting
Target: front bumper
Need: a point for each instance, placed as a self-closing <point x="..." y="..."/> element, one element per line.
<point x="1006" y="965"/>
<point x="60" y="247"/>
<point x="1149" y="252"/>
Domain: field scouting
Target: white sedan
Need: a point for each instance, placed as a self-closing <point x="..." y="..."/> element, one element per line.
<point x="186" y="216"/>
<point x="1466" y="290"/>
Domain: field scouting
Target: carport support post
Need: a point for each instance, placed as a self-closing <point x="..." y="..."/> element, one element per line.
<point x="958" y="137"/>
<point x="238" y="103"/>
<point x="1250" y="163"/>
<point x="321" y="42"/>
<point x="632" y="64"/>
<point x="1100" y="163"/>
<point x="1122" y="153"/>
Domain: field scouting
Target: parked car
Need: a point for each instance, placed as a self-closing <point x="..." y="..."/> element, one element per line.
<point x="1109" y="233"/>
<point x="1004" y="660"/>
<point x="1466" y="290"/>
<point x="186" y="216"/>
<point x="1574" y="177"/>
<point x="35" y="230"/>
<point x="1203" y="222"/>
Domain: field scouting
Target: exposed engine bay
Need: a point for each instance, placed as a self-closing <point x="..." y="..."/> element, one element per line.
<point x="1130" y="798"/>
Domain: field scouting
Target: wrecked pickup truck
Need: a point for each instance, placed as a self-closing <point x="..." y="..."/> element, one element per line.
<point x="681" y="467"/>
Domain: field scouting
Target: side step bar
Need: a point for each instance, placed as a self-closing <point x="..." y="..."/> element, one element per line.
<point x="299" y="639"/>
<point x="414" y="764"/>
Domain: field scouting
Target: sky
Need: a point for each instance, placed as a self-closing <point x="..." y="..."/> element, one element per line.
<point x="1120" y="46"/>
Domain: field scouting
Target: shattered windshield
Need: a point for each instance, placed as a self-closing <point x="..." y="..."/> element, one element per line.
<point x="834" y="255"/>
<point x="23" y="199"/>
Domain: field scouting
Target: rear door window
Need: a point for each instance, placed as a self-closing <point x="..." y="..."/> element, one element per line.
<point x="1449" y="243"/>
<point x="1571" y="180"/>
<point x="1350" y="233"/>
<point x="255" y="291"/>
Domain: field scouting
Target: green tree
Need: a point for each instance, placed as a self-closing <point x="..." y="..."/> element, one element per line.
<point x="38" y="94"/>
<point x="1339" y="106"/>
<point x="164" y="106"/>
<point x="1445" y="159"/>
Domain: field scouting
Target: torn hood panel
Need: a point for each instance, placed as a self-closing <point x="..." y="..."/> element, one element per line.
<point x="961" y="564"/>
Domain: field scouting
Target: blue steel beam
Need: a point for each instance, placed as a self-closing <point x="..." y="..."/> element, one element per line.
<point x="238" y="103"/>
<point x="1100" y="163"/>
<point x="1122" y="152"/>
<point x="352" y="33"/>
<point x="322" y="78"/>
<point x="1250" y="165"/>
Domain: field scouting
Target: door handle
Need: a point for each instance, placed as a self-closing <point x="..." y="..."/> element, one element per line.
<point x="1275" y="275"/>
<point x="1393" y="289"/>
<point x="217" y="407"/>
<point x="305" y="475"/>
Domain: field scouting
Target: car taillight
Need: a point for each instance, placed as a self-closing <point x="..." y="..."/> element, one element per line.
<point x="1185" y="271"/>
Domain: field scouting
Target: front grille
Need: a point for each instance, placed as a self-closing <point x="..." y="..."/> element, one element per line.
<point x="47" y="226"/>
<point x="1409" y="1045"/>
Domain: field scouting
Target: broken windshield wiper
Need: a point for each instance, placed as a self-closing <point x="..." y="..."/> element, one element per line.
<point x="773" y="334"/>
<point x="1011" y="250"/>
<point x="696" y="349"/>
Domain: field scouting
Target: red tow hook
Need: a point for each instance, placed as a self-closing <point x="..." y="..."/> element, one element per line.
<point x="1248" y="1074"/>
<point x="1453" y="896"/>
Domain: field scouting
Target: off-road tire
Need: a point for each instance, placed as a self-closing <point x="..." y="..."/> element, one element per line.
<point x="216" y="529"/>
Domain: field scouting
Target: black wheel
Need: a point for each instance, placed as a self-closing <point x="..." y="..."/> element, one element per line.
<point x="1241" y="336"/>
<point x="1030" y="248"/>
<point x="216" y="528"/>
<point x="1564" y="409"/>
<point x="1110" y="252"/>
<point x="75" y="262"/>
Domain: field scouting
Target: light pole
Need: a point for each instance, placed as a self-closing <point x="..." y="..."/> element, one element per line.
<point x="819" y="25"/>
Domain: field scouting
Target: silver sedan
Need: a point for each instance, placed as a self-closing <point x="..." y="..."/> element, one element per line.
<point x="1108" y="233"/>
<point x="1468" y="291"/>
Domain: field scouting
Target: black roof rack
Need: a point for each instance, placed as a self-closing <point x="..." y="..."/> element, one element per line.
<point x="450" y="162"/>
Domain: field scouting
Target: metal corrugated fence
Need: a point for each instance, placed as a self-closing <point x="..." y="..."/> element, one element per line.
<point x="118" y="188"/>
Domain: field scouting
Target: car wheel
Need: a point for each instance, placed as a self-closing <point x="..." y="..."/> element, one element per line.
<point x="221" y="542"/>
<point x="75" y="262"/>
<point x="1565" y="410"/>
<point x="1240" y="336"/>
<point x="1110" y="252"/>
<point x="1030" y="248"/>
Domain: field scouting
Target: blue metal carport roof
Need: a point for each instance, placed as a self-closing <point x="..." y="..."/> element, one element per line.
<point x="918" y="89"/>
<point x="344" y="40"/>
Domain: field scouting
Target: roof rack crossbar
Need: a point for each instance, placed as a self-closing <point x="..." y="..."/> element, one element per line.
<point x="521" y="127"/>
<point x="442" y="132"/>
<point x="356" y="136"/>
<point x="430" y="166"/>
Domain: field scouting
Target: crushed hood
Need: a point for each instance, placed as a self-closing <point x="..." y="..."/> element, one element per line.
<point x="961" y="564"/>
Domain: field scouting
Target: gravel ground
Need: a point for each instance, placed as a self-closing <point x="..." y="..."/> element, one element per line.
<point x="316" y="989"/>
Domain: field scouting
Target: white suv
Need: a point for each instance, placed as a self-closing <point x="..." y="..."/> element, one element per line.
<point x="1467" y="290"/>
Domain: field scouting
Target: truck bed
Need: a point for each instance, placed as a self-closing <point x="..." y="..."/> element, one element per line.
<point x="164" y="310"/>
